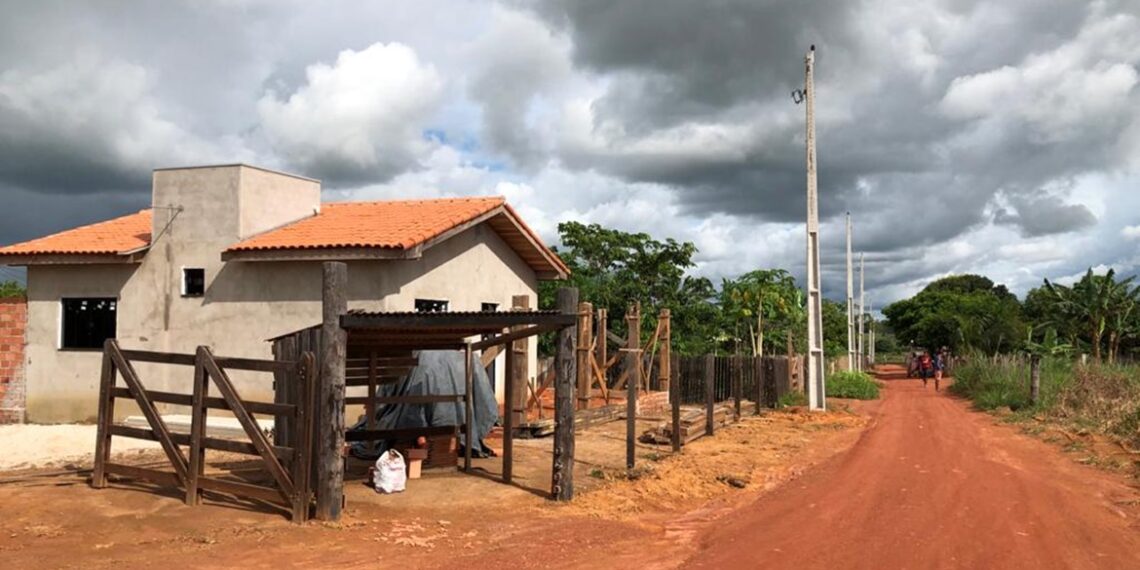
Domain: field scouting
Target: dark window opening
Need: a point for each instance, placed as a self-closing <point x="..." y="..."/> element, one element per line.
<point x="193" y="282"/>
<point x="87" y="322"/>
<point x="489" y="307"/>
<point x="431" y="306"/>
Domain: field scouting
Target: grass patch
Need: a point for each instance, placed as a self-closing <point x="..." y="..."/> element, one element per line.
<point x="852" y="384"/>
<point x="1004" y="382"/>
<point x="793" y="398"/>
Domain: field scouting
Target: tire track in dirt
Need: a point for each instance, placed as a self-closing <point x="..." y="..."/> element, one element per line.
<point x="934" y="485"/>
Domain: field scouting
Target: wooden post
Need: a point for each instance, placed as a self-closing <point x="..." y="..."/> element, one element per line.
<point x="585" y="373"/>
<point x="632" y="366"/>
<point x="1034" y="379"/>
<point x="468" y="407"/>
<point x="666" y="340"/>
<point x="521" y="349"/>
<point x="758" y="378"/>
<point x="330" y="415"/>
<point x="710" y="398"/>
<point x="509" y="389"/>
<point x="601" y="332"/>
<point x="197" y="430"/>
<point x="565" y="363"/>
<point x="737" y="384"/>
<point x="675" y="400"/>
<point x="106" y="417"/>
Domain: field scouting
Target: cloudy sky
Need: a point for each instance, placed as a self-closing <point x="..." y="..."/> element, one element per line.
<point x="996" y="137"/>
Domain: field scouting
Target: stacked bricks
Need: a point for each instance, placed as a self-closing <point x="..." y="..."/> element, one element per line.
<point x="13" y="318"/>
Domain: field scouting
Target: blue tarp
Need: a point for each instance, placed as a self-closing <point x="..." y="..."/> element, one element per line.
<point x="439" y="372"/>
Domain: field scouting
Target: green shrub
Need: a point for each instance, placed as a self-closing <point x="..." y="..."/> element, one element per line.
<point x="793" y="398"/>
<point x="852" y="384"/>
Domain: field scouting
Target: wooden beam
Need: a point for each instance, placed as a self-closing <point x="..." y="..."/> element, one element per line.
<point x="105" y="418"/>
<point x="710" y="397"/>
<point x="632" y="364"/>
<point x="516" y="334"/>
<point x="468" y="407"/>
<point x="664" y="321"/>
<point x="675" y="400"/>
<point x="584" y="373"/>
<point x="565" y="364"/>
<point x="601" y="344"/>
<point x="521" y="350"/>
<point x="330" y="417"/>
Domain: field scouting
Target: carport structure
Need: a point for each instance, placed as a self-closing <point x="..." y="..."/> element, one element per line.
<point x="371" y="348"/>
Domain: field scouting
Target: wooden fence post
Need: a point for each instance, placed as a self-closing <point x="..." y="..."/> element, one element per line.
<point x="330" y="423"/>
<point x="633" y="379"/>
<point x="666" y="341"/>
<point x="105" y="418"/>
<point x="585" y="372"/>
<point x="758" y="378"/>
<point x="197" y="430"/>
<point x="565" y="364"/>
<point x="737" y="384"/>
<point x="675" y="400"/>
<point x="710" y="398"/>
<point x="1034" y="379"/>
<point x="521" y="350"/>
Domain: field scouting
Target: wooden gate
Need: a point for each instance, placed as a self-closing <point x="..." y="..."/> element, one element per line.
<point x="288" y="466"/>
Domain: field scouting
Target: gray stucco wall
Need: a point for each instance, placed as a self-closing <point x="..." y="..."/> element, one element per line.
<point x="245" y="302"/>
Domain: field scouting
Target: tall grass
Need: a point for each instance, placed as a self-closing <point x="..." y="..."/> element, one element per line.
<point x="1098" y="397"/>
<point x="851" y="384"/>
<point x="1002" y="382"/>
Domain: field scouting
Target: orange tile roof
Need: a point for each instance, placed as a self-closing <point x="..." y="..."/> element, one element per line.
<point x="118" y="236"/>
<point x="400" y="224"/>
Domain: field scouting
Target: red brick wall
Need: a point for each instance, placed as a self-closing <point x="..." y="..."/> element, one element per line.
<point x="13" y="318"/>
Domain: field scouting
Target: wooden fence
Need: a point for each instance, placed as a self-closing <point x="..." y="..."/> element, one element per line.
<point x="288" y="466"/>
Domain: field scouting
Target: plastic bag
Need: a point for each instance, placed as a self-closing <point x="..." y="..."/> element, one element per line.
<point x="391" y="474"/>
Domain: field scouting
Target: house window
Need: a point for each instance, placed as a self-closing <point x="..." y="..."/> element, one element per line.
<point x="193" y="282"/>
<point x="431" y="306"/>
<point x="87" y="323"/>
<point x="489" y="307"/>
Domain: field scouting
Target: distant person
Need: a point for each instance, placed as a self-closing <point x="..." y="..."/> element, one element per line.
<point x="939" y="366"/>
<point x="925" y="367"/>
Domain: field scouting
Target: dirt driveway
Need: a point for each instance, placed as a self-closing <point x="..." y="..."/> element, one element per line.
<point x="934" y="485"/>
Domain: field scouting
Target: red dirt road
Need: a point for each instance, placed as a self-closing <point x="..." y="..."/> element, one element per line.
<point x="933" y="485"/>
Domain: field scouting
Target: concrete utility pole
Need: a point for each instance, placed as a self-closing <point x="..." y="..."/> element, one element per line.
<point x="861" y="305"/>
<point x="815" y="369"/>
<point x="850" y="302"/>
<point x="871" y="337"/>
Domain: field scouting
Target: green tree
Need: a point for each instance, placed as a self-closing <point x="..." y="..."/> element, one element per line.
<point x="961" y="311"/>
<point x="613" y="269"/>
<point x="1099" y="306"/>
<point x="12" y="289"/>
<point x="763" y="306"/>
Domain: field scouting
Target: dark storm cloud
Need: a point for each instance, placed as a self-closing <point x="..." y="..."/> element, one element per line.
<point x="1042" y="216"/>
<point x="888" y="150"/>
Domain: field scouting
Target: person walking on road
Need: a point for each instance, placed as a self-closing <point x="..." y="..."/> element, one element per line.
<point x="925" y="367"/>
<point x="939" y="366"/>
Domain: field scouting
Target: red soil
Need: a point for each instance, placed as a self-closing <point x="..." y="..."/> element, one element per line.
<point x="932" y="485"/>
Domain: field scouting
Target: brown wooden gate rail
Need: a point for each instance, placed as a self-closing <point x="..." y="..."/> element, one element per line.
<point x="291" y="485"/>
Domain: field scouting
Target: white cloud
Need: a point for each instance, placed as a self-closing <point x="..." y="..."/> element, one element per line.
<point x="362" y="116"/>
<point x="1130" y="232"/>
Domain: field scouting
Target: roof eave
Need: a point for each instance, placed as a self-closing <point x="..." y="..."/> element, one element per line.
<point x="25" y="259"/>
<point x="323" y="254"/>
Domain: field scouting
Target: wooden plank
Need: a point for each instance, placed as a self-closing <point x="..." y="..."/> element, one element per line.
<point x="303" y="434"/>
<point x="468" y="406"/>
<point x="710" y="398"/>
<point x="254" y="364"/>
<point x="632" y="364"/>
<point x="213" y="403"/>
<point x="524" y="332"/>
<point x="584" y="373"/>
<point x="380" y="379"/>
<point x="252" y="430"/>
<point x="370" y="400"/>
<point x="758" y="379"/>
<point x="425" y="399"/>
<point x="510" y="388"/>
<point x="601" y="345"/>
<point x="104" y="420"/>
<point x="521" y="349"/>
<point x="239" y="489"/>
<point x="197" y="434"/>
<point x="601" y="379"/>
<point x="737" y="383"/>
<point x="153" y="475"/>
<point x="177" y="460"/>
<point x="562" y="469"/>
<point x="664" y="320"/>
<point x="490" y="355"/>
<point x="675" y="400"/>
<point x="401" y="433"/>
<point x="215" y="443"/>
<point x="158" y="357"/>
<point x="334" y="340"/>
